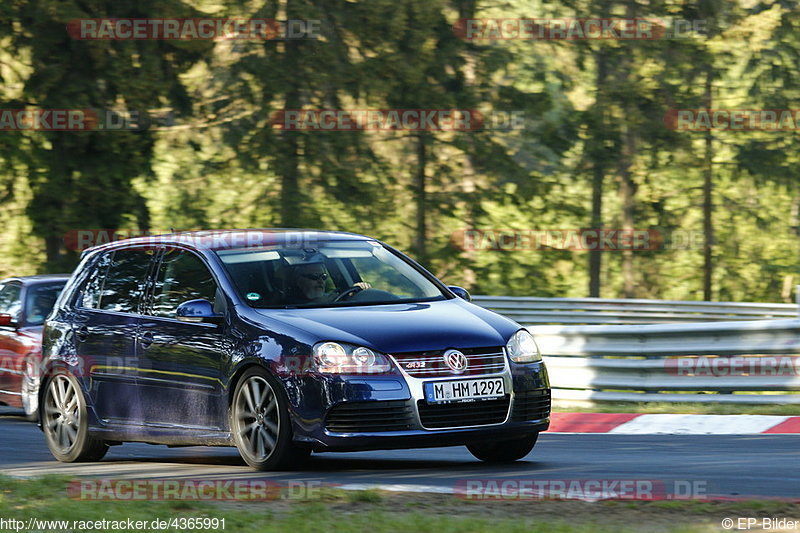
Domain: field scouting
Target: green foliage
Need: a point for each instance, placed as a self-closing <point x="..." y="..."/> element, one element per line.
<point x="588" y="106"/>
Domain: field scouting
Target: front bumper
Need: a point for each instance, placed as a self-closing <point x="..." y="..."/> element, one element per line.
<point x="352" y="413"/>
<point x="422" y="439"/>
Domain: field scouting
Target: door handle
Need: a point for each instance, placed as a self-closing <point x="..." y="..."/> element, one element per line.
<point x="82" y="333"/>
<point x="146" y="339"/>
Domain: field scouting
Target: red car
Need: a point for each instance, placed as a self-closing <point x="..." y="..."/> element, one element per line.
<point x="24" y="304"/>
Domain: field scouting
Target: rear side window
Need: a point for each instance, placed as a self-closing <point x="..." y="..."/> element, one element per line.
<point x="181" y="276"/>
<point x="90" y="296"/>
<point x="10" y="303"/>
<point x="117" y="281"/>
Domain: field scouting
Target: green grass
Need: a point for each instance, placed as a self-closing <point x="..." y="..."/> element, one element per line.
<point x="378" y="512"/>
<point x="663" y="407"/>
<point x="366" y="496"/>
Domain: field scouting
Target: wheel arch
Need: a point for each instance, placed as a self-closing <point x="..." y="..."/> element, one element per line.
<point x="241" y="370"/>
<point x="48" y="372"/>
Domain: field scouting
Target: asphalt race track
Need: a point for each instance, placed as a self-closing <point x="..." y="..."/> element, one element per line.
<point x="728" y="465"/>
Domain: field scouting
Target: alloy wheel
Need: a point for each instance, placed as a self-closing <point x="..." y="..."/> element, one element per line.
<point x="257" y="417"/>
<point x="62" y="413"/>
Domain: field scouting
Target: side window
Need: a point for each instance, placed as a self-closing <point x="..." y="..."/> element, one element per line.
<point x="90" y="295"/>
<point x="10" y="303"/>
<point x="117" y="282"/>
<point x="181" y="276"/>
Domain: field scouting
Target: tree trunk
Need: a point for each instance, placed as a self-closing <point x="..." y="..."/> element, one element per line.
<point x="708" y="205"/>
<point x="466" y="10"/>
<point x="290" y="187"/>
<point x="628" y="192"/>
<point x="421" y="200"/>
<point x="598" y="173"/>
<point x="52" y="246"/>
<point x="595" y="256"/>
<point x="628" y="185"/>
<point x="289" y="160"/>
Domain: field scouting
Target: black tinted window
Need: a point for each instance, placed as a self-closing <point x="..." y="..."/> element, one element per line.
<point x="39" y="301"/>
<point x="10" y="300"/>
<point x="181" y="276"/>
<point x="90" y="296"/>
<point x="116" y="283"/>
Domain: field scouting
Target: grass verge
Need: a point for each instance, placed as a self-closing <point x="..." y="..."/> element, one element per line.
<point x="333" y="510"/>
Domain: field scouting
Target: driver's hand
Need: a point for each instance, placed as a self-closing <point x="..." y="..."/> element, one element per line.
<point x="363" y="285"/>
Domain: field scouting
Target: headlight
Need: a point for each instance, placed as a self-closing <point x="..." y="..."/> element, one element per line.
<point x="364" y="356"/>
<point x="522" y="348"/>
<point x="336" y="358"/>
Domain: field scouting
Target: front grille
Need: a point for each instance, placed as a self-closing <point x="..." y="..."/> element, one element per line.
<point x="431" y="364"/>
<point x="531" y="405"/>
<point x="450" y="415"/>
<point x="369" y="417"/>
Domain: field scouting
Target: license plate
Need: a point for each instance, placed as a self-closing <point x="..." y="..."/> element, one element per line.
<point x="464" y="389"/>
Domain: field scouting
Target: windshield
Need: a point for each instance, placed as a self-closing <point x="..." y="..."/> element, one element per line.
<point x="330" y="274"/>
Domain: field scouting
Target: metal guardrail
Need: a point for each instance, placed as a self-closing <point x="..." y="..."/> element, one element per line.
<point x="529" y="310"/>
<point x="729" y="362"/>
<point x="663" y="350"/>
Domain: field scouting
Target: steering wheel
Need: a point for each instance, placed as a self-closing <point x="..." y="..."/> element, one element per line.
<point x="348" y="292"/>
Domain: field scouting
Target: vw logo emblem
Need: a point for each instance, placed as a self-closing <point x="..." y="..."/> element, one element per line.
<point x="456" y="360"/>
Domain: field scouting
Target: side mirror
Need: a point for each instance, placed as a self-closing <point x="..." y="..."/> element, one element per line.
<point x="198" y="311"/>
<point x="7" y="320"/>
<point x="461" y="292"/>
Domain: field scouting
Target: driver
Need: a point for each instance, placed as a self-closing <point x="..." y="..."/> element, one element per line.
<point x="307" y="284"/>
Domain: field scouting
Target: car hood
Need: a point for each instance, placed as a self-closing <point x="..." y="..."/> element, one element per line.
<point x="398" y="328"/>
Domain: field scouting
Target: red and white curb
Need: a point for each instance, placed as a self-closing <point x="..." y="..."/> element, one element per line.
<point x="669" y="424"/>
<point x="586" y="490"/>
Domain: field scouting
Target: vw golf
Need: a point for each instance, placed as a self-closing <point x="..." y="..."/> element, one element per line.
<point x="281" y="343"/>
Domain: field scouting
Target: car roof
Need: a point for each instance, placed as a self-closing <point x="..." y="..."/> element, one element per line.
<point x="237" y="238"/>
<point x="37" y="279"/>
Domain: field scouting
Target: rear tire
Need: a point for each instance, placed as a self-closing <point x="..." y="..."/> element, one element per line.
<point x="504" y="451"/>
<point x="260" y="424"/>
<point x="65" y="421"/>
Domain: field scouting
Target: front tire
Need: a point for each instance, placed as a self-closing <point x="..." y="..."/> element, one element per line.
<point x="260" y="423"/>
<point x="504" y="451"/>
<point x="66" y="424"/>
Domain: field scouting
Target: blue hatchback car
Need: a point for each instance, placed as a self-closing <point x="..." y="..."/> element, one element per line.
<point x="281" y="342"/>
